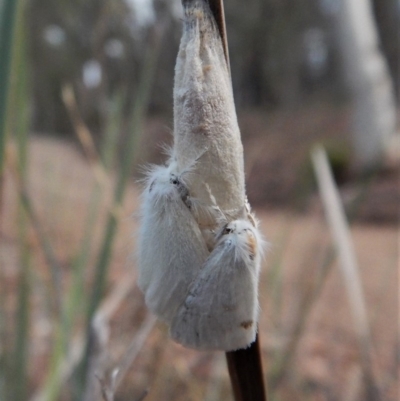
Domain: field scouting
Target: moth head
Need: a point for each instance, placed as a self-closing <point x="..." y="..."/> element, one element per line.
<point x="244" y="237"/>
<point x="180" y="186"/>
<point x="238" y="227"/>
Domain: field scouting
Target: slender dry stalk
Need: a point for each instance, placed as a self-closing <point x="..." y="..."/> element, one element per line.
<point x="206" y="119"/>
<point x="8" y="15"/>
<point x="74" y="299"/>
<point x="15" y="124"/>
<point x="217" y="9"/>
<point x="100" y="324"/>
<point x="311" y="295"/>
<point x="103" y="315"/>
<point x="246" y="373"/>
<point x="111" y="382"/>
<point x="110" y="229"/>
<point x="306" y="304"/>
<point x="245" y="365"/>
<point x="64" y="369"/>
<point x="8" y="20"/>
<point x="83" y="133"/>
<point x="348" y="264"/>
<point x="44" y="241"/>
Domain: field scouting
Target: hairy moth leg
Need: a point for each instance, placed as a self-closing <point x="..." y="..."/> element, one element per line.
<point x="221" y="309"/>
<point x="171" y="249"/>
<point x="204" y="111"/>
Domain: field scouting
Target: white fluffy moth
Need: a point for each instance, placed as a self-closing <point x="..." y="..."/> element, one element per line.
<point x="199" y="247"/>
<point x="171" y="248"/>
<point x="220" y="311"/>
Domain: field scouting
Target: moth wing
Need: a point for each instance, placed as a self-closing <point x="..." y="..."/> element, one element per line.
<point x="171" y="249"/>
<point x="221" y="309"/>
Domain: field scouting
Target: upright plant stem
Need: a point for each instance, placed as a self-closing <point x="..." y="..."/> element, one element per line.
<point x="309" y="300"/>
<point x="245" y="365"/>
<point x="125" y="170"/>
<point x="348" y="265"/>
<point x="75" y="300"/>
<point x="246" y="373"/>
<point x="8" y="10"/>
<point x="13" y="95"/>
<point x="7" y="20"/>
<point x="21" y="345"/>
<point x="128" y="158"/>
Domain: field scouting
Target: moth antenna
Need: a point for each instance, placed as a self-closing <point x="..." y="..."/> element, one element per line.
<point x="202" y="153"/>
<point x="191" y="166"/>
<point x="222" y="217"/>
<point x="146" y="170"/>
<point x="206" y="216"/>
<point x="167" y="150"/>
<point x="210" y="194"/>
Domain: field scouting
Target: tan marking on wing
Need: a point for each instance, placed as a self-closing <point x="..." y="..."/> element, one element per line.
<point x="207" y="68"/>
<point x="198" y="13"/>
<point x="252" y="243"/>
<point x="247" y="324"/>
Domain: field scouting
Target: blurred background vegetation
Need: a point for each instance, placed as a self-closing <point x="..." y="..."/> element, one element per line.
<point x="85" y="100"/>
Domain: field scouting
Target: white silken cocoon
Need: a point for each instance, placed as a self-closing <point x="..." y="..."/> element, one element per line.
<point x="205" y="120"/>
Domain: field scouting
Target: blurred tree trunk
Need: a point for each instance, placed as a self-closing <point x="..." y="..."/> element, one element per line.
<point x="368" y="79"/>
<point x="387" y="14"/>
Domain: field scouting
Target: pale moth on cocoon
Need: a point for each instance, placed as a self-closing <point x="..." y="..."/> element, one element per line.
<point x="171" y="249"/>
<point x="221" y="309"/>
<point x="199" y="248"/>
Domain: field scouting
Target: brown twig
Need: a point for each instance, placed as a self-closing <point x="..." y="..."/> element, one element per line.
<point x="217" y="9"/>
<point x="245" y="366"/>
<point x="245" y="371"/>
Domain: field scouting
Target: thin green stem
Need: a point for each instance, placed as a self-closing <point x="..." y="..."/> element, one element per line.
<point x="75" y="300"/>
<point x="128" y="159"/>
<point x="13" y="95"/>
<point x="8" y="17"/>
